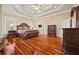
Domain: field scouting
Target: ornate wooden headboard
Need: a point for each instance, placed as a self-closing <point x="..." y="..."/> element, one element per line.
<point x="23" y="26"/>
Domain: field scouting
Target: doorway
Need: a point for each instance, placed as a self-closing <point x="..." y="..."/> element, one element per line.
<point x="52" y="30"/>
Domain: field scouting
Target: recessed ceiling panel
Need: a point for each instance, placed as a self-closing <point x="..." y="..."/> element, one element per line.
<point x="35" y="10"/>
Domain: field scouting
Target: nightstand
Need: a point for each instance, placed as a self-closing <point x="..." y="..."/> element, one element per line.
<point x="12" y="34"/>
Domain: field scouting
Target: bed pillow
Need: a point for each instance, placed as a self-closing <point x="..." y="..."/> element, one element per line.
<point x="22" y="31"/>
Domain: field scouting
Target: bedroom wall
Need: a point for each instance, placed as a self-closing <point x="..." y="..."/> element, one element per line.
<point x="16" y="20"/>
<point x="30" y="22"/>
<point x="62" y="21"/>
<point x="0" y="20"/>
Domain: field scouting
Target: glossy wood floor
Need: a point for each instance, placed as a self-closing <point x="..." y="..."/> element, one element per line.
<point x="41" y="45"/>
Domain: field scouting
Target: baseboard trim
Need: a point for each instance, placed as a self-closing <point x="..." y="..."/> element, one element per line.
<point x="61" y="36"/>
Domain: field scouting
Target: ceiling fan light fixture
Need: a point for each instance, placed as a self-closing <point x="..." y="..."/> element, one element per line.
<point x="36" y="8"/>
<point x="17" y="6"/>
<point x="55" y="6"/>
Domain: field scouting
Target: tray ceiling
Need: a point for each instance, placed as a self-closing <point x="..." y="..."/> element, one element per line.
<point x="35" y="10"/>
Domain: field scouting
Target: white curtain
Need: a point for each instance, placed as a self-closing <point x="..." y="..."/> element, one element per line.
<point x="6" y="24"/>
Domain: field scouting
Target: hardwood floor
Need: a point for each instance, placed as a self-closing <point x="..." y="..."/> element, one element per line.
<point x="41" y="45"/>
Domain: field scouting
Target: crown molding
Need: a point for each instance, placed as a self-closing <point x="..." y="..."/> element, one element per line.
<point x="16" y="16"/>
<point x="55" y="14"/>
<point x="21" y="13"/>
<point x="42" y="14"/>
<point x="26" y="17"/>
<point x="37" y="16"/>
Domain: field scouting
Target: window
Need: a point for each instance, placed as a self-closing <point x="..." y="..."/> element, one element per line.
<point x="7" y="22"/>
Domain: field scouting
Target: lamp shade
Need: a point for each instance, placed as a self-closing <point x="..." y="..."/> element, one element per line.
<point x="11" y="25"/>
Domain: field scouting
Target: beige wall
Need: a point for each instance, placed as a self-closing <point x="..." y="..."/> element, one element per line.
<point x="20" y="20"/>
<point x="0" y="20"/>
<point x="62" y="20"/>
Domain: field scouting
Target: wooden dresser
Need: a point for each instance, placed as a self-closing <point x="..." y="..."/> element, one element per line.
<point x="71" y="40"/>
<point x="12" y="33"/>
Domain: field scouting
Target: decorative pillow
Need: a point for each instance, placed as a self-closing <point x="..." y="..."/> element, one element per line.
<point x="20" y="28"/>
<point x="26" y="28"/>
<point x="22" y="31"/>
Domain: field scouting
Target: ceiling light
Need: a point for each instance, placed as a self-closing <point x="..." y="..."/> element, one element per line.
<point x="36" y="8"/>
<point x="17" y="6"/>
<point x="55" y="6"/>
<point x="33" y="6"/>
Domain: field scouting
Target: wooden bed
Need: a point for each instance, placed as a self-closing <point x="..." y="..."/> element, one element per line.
<point x="25" y="32"/>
